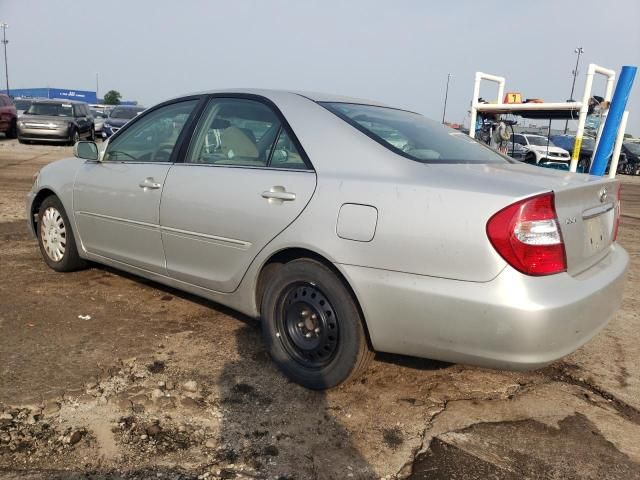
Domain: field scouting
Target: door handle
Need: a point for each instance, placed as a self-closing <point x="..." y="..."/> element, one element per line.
<point x="149" y="184"/>
<point x="278" y="194"/>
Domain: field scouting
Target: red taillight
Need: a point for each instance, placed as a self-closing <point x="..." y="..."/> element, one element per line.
<point x="616" y="220"/>
<point x="527" y="235"/>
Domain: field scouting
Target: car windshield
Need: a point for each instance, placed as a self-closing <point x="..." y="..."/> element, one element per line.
<point x="633" y="148"/>
<point x="413" y="135"/>
<point x="51" y="109"/>
<point x="22" y="104"/>
<point x="125" y="113"/>
<point x="539" y="141"/>
<point x="97" y="114"/>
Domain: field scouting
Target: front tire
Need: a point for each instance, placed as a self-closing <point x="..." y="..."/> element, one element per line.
<point x="312" y="326"/>
<point x="57" y="243"/>
<point x="74" y="137"/>
<point x="13" y="130"/>
<point x="92" y="135"/>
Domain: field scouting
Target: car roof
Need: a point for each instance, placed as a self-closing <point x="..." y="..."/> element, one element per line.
<point x="272" y="93"/>
<point x="57" y="100"/>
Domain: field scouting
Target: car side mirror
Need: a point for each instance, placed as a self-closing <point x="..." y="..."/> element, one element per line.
<point x="86" y="151"/>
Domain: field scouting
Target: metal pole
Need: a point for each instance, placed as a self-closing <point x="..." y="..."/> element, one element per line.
<point x="618" y="145"/>
<point x="579" y="51"/>
<point x="446" y="95"/>
<point x="612" y="123"/>
<point x="5" y="41"/>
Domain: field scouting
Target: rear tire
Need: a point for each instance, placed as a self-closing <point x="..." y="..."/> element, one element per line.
<point x="92" y="135"/>
<point x="55" y="237"/>
<point x="312" y="326"/>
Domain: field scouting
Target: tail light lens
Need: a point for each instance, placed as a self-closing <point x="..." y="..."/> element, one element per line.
<point x="616" y="220"/>
<point x="527" y="235"/>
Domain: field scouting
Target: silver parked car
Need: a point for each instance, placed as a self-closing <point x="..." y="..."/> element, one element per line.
<point x="346" y="227"/>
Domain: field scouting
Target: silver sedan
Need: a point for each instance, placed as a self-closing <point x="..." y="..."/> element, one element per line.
<point x="346" y="227"/>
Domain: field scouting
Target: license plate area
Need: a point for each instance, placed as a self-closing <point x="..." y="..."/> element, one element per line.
<point x="597" y="233"/>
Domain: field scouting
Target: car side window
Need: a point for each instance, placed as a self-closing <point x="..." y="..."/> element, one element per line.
<point x="235" y="132"/>
<point x="153" y="137"/>
<point x="285" y="154"/>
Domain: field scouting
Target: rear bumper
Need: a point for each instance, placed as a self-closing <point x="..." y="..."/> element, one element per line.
<point x="512" y="322"/>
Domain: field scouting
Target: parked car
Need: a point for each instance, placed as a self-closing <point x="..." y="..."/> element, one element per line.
<point x="98" y="119"/>
<point x="21" y="105"/>
<point x="586" y="149"/>
<point x="56" y="121"/>
<point x="632" y="152"/>
<point x="346" y="227"/>
<point x="540" y="149"/>
<point x="8" y="116"/>
<point x="586" y="152"/>
<point x="118" y="117"/>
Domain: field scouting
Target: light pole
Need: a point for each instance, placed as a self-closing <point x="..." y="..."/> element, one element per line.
<point x="446" y="95"/>
<point x="5" y="41"/>
<point x="579" y="51"/>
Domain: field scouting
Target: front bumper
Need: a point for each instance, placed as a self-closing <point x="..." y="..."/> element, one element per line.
<point x="107" y="131"/>
<point x="56" y="134"/>
<point x="513" y="322"/>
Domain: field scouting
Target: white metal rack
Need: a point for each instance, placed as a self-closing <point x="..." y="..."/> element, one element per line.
<point x="579" y="108"/>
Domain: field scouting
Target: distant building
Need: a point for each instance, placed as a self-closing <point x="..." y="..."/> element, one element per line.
<point x="62" y="94"/>
<point x="57" y="93"/>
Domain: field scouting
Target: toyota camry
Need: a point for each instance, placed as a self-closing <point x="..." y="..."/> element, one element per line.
<point x="345" y="226"/>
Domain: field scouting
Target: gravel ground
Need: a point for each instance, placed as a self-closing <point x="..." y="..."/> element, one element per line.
<point x="106" y="375"/>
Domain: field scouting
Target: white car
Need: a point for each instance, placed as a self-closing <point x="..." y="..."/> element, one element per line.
<point x="539" y="149"/>
<point x="98" y="118"/>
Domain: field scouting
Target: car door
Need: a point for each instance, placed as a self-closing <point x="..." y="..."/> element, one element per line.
<point x="244" y="179"/>
<point x="117" y="200"/>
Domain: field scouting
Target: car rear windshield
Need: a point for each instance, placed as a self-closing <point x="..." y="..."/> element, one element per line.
<point x="413" y="135"/>
<point x="125" y="113"/>
<point x="51" y="109"/>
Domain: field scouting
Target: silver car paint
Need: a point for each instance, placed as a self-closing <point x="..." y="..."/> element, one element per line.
<point x="228" y="221"/>
<point x="430" y="238"/>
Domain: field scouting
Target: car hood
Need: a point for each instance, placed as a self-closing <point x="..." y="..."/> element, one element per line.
<point x="540" y="148"/>
<point x="116" y="122"/>
<point x="44" y="119"/>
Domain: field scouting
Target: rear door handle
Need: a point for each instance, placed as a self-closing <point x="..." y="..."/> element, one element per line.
<point x="149" y="184"/>
<point x="278" y="194"/>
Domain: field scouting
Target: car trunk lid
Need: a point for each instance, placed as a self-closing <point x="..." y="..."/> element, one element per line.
<point x="587" y="218"/>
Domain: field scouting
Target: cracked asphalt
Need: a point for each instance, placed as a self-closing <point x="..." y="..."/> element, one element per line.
<point x="161" y="384"/>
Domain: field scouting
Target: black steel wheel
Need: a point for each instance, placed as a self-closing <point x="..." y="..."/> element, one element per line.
<point x="312" y="325"/>
<point x="308" y="325"/>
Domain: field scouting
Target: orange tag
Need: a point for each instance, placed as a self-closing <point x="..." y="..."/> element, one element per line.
<point x="512" y="97"/>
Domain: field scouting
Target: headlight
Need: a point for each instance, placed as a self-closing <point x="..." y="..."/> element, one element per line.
<point x="21" y="124"/>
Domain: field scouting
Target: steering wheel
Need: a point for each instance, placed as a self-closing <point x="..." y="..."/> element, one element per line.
<point x="162" y="153"/>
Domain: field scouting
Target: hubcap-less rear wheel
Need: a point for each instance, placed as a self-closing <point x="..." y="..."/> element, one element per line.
<point x="309" y="324"/>
<point x="54" y="234"/>
<point x="312" y="325"/>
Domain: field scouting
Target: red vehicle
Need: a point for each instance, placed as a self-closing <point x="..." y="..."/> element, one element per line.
<point x="8" y="117"/>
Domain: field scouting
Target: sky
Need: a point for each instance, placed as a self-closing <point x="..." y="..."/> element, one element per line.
<point x="397" y="52"/>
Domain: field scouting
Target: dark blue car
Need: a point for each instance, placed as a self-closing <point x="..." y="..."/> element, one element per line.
<point x="117" y="118"/>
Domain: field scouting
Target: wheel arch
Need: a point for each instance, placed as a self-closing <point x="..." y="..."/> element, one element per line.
<point x="35" y="206"/>
<point x="278" y="259"/>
